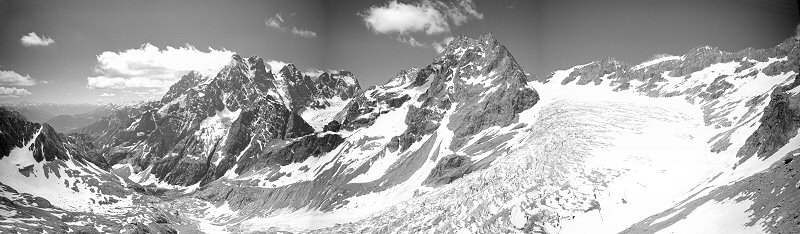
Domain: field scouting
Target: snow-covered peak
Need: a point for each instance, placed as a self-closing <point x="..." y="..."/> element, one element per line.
<point x="403" y="78"/>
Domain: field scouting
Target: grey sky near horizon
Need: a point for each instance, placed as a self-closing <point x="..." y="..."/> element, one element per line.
<point x="542" y="35"/>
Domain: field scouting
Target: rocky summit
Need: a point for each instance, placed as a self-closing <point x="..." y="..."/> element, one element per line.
<point x="466" y="144"/>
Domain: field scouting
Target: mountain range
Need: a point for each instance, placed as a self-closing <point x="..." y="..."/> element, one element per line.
<point x="703" y="142"/>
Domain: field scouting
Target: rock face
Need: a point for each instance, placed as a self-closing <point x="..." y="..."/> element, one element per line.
<point x="779" y="123"/>
<point x="15" y="131"/>
<point x="448" y="169"/>
<point x="397" y="133"/>
<point x="48" y="181"/>
<point x="477" y="77"/>
<point x="197" y="131"/>
<point x="503" y="95"/>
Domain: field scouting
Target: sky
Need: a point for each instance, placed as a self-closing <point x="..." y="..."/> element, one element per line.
<point x="89" y="51"/>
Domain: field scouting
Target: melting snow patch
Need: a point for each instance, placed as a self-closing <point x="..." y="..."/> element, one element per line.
<point x="485" y="80"/>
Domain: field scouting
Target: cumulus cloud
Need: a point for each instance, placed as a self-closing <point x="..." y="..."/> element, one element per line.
<point x="151" y="67"/>
<point x="279" y="22"/>
<point x="426" y="17"/>
<point x="107" y="95"/>
<point x="31" y="39"/>
<point x="6" y="92"/>
<point x="15" y="79"/>
<point x="405" y="18"/>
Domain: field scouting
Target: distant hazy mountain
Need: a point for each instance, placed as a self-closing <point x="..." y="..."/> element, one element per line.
<point x="68" y="123"/>
<point x="41" y="112"/>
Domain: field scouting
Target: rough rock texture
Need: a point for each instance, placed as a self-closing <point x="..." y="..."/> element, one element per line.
<point x="82" y="146"/>
<point x="333" y="126"/>
<point x="49" y="145"/>
<point x="482" y="79"/>
<point x="476" y="82"/>
<point x="779" y="123"/>
<point x="341" y="84"/>
<point x="196" y="131"/>
<point x="451" y="167"/>
<point x="294" y="151"/>
<point x="14" y="130"/>
<point x="86" y="192"/>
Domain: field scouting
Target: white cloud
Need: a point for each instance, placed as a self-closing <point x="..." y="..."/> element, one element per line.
<point x="275" y="66"/>
<point x="275" y="21"/>
<point x="15" y="79"/>
<point x="31" y="39"/>
<point x="278" y="22"/>
<point x="429" y="18"/>
<point x="405" y="18"/>
<point x="303" y="33"/>
<point x="151" y="67"/>
<point x="107" y="95"/>
<point x="6" y="92"/>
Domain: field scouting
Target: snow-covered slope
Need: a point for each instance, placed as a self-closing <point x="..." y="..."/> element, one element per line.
<point x="48" y="184"/>
<point x="747" y="108"/>
<point x="423" y="129"/>
<point x="703" y="142"/>
<point x="663" y="146"/>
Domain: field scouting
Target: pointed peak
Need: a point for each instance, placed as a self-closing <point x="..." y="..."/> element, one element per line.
<point x="402" y="78"/>
<point x="236" y="57"/>
<point x="255" y="59"/>
<point x="463" y="43"/>
<point x="290" y="67"/>
<point x="488" y="39"/>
